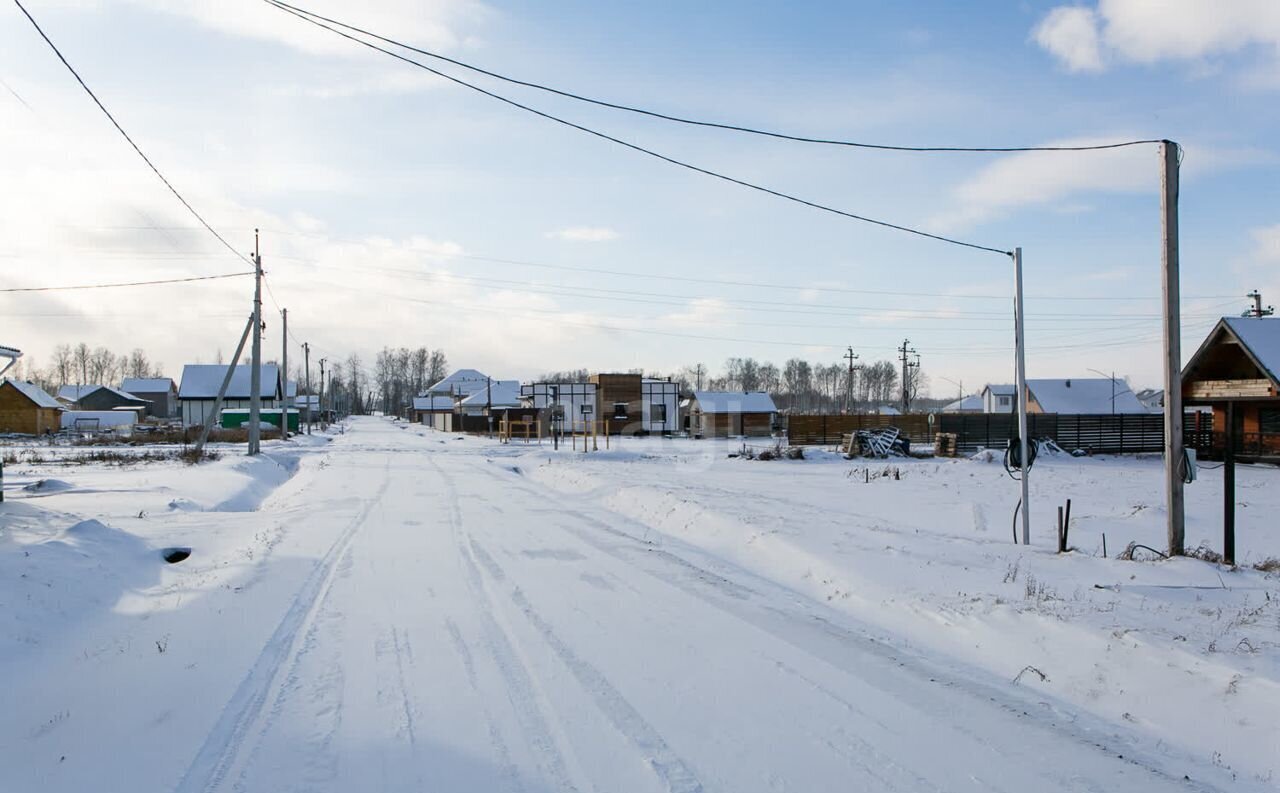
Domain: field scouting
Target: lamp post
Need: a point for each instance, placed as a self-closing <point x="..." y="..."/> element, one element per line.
<point x="1114" y="393"/>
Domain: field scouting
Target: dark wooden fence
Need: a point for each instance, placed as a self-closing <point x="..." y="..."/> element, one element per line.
<point x="1103" y="434"/>
<point x="821" y="430"/>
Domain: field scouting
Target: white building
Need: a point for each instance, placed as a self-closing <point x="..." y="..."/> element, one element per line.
<point x="998" y="398"/>
<point x="200" y="384"/>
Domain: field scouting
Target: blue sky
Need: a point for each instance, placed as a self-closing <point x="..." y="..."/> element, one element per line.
<point x="386" y="194"/>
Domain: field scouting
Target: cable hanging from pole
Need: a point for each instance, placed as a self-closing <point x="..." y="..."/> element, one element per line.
<point x="697" y="122"/>
<point x="641" y="149"/>
<point x="124" y="284"/>
<point x="121" y="130"/>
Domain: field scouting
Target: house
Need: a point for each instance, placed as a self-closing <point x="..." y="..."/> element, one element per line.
<point x="632" y="404"/>
<point x="428" y="407"/>
<point x="496" y="395"/>
<point x="160" y="392"/>
<point x="69" y="395"/>
<point x="998" y="398"/>
<point x="1152" y="399"/>
<point x="27" y="409"/>
<point x="200" y="383"/>
<point x="887" y="410"/>
<point x="969" y="404"/>
<point x="571" y="407"/>
<point x="463" y="383"/>
<point x="720" y="414"/>
<point x="102" y="398"/>
<point x="1236" y="372"/>
<point x="1084" y="395"/>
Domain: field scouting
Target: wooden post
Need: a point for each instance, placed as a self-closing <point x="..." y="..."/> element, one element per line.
<point x="1229" y="487"/>
<point x="1173" y="453"/>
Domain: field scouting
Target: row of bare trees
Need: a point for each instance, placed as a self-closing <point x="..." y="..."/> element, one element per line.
<point x="400" y="374"/>
<point x="808" y="387"/>
<point x="80" y="364"/>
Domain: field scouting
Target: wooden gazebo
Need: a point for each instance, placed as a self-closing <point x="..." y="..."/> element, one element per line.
<point x="1236" y="372"/>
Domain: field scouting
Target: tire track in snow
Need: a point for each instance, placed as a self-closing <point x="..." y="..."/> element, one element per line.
<point x="792" y="616"/>
<point x="670" y="769"/>
<point x="246" y="714"/>
<point x="521" y="692"/>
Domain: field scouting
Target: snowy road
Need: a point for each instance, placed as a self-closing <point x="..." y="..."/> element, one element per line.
<point x="467" y="629"/>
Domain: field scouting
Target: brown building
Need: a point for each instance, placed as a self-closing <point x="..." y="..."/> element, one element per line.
<point x="25" y="408"/>
<point x="1236" y="371"/>
<point x="721" y="414"/>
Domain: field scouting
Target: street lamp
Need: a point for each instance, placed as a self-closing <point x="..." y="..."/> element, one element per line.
<point x="1112" y="378"/>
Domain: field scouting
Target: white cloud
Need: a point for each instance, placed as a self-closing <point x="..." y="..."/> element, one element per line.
<point x="1071" y="33"/>
<point x="1266" y="244"/>
<point x="1040" y="178"/>
<point x="431" y="24"/>
<point x="1152" y="31"/>
<point x="583" y="234"/>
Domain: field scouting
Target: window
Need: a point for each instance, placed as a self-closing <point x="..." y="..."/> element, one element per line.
<point x="658" y="412"/>
<point x="619" y="410"/>
<point x="1004" y="401"/>
<point x="586" y="409"/>
<point x="1269" y="421"/>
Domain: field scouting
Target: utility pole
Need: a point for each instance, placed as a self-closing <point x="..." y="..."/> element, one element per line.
<point x="284" y="365"/>
<point x="904" y="351"/>
<point x="255" y="371"/>
<point x="1020" y="341"/>
<point x="1173" y="452"/>
<point x="848" y="383"/>
<point x="698" y="372"/>
<point x="321" y="402"/>
<point x="1258" y="310"/>
<point x="306" y="358"/>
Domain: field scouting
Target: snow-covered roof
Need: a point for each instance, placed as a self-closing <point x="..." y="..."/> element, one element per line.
<point x="73" y="393"/>
<point x="734" y="402"/>
<point x="202" y="381"/>
<point x="146" y="385"/>
<point x="1001" y="389"/>
<point x="888" y="410"/>
<point x="463" y="381"/>
<point x="433" y="402"/>
<point x="504" y="393"/>
<point x="35" y="393"/>
<point x="1084" y="395"/>
<point x="1261" y="335"/>
<point x="965" y="404"/>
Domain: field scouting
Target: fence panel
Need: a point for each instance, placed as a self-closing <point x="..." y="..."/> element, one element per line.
<point x="1119" y="433"/>
<point x="829" y="429"/>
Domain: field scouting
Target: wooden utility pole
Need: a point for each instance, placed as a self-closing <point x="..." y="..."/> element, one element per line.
<point x="255" y="370"/>
<point x="1020" y="361"/>
<point x="284" y="366"/>
<point x="848" y="383"/>
<point x="1173" y="452"/>
<point x="1258" y="310"/>
<point x="306" y="359"/>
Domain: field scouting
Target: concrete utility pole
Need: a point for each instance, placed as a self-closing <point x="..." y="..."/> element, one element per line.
<point x="222" y="390"/>
<point x="848" y="383"/>
<point x="322" y="417"/>
<point x="1258" y="310"/>
<point x="1020" y="341"/>
<point x="1173" y="453"/>
<point x="904" y="351"/>
<point x="306" y="358"/>
<point x="284" y="365"/>
<point x="255" y="370"/>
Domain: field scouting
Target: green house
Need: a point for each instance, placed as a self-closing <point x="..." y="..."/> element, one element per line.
<point x="235" y="418"/>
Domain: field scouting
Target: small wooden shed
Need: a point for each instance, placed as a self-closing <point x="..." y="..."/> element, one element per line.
<point x="721" y="414"/>
<point x="26" y="408"/>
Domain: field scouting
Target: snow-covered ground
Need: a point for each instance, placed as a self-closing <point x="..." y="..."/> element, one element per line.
<point x="394" y="608"/>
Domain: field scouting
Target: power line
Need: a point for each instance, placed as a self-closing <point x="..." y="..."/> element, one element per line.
<point x="120" y="129"/>
<point x="123" y="284"/>
<point x="641" y="149"/>
<point x="696" y="122"/>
